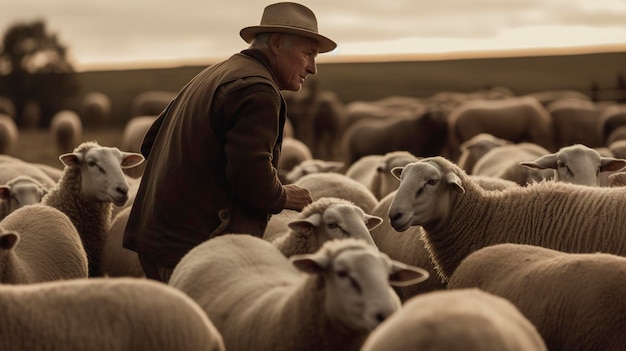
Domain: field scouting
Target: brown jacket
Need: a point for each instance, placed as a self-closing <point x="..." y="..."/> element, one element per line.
<point x="212" y="160"/>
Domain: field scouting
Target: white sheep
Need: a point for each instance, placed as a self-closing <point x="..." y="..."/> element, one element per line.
<point x="407" y="247"/>
<point x="91" y="183"/>
<point x="9" y="134"/>
<point x="504" y="162"/>
<point x="476" y="147"/>
<point x="577" y="164"/>
<point x="96" y="109"/>
<point x="258" y="301"/>
<point x="293" y="151"/>
<point x="374" y="171"/>
<point x="132" y="136"/>
<point x="116" y="260"/>
<point x="331" y="184"/>
<point x="574" y="300"/>
<point x="12" y="167"/>
<point x="312" y="166"/>
<point x="39" y="243"/>
<point x="456" y="320"/>
<point x="66" y="130"/>
<point x="18" y="192"/>
<point x="323" y="220"/>
<point x="459" y="217"/>
<point x="122" y="314"/>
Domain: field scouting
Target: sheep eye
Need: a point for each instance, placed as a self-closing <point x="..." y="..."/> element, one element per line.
<point x="91" y="163"/>
<point x="332" y="225"/>
<point x="561" y="165"/>
<point x="432" y="181"/>
<point x="342" y="274"/>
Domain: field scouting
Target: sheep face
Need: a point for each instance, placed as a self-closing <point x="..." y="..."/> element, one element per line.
<point x="22" y="193"/>
<point x="338" y="221"/>
<point x="577" y="164"/>
<point x="423" y="196"/>
<point x="102" y="177"/>
<point x="358" y="295"/>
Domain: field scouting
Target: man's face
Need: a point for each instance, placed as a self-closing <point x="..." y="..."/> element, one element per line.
<point x="296" y="60"/>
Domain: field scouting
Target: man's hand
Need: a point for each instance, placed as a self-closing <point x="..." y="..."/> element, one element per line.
<point x="297" y="197"/>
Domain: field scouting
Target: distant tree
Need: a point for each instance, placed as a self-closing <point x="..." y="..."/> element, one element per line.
<point x="34" y="67"/>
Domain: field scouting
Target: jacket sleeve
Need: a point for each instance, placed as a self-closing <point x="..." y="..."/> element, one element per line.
<point x="252" y="130"/>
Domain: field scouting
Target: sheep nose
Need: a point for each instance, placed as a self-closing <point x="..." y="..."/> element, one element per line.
<point x="123" y="190"/>
<point x="394" y="216"/>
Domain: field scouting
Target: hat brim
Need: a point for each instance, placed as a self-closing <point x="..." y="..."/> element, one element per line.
<point x="326" y="45"/>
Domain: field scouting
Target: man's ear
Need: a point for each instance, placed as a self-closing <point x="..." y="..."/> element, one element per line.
<point x="275" y="42"/>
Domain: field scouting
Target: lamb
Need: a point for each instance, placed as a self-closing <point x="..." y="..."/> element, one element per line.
<point x="18" y="192"/>
<point x="91" y="183"/>
<point x="96" y="109"/>
<point x="374" y="171"/>
<point x="330" y="184"/>
<point x="244" y="283"/>
<point x="123" y="314"/>
<point x="66" y="129"/>
<point x="574" y="299"/>
<point x="504" y="162"/>
<point x="577" y="164"/>
<point x="116" y="260"/>
<point x="456" y="320"/>
<point x="9" y="134"/>
<point x="310" y="166"/>
<point x="324" y="220"/>
<point x="460" y="217"/>
<point x="37" y="244"/>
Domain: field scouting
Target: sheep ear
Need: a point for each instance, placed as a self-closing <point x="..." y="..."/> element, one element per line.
<point x="372" y="222"/>
<point x="310" y="263"/>
<point x="307" y="224"/>
<point x="397" y="171"/>
<point x="404" y="275"/>
<point x="71" y="159"/>
<point x="610" y="164"/>
<point x="454" y="180"/>
<point x="5" y="192"/>
<point x="543" y="162"/>
<point x="8" y="240"/>
<point x="131" y="159"/>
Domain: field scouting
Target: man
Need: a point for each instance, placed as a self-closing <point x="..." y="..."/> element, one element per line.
<point x="212" y="154"/>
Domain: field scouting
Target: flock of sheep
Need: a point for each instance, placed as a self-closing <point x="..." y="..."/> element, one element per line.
<point x="461" y="221"/>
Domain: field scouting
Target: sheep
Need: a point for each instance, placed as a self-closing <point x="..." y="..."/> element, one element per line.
<point x="518" y="119"/>
<point x="7" y="107"/>
<point x="575" y="121"/>
<point x="293" y="152"/>
<point x="132" y="136"/>
<point x="310" y="166"/>
<point x="31" y="115"/>
<point x="9" y="134"/>
<point x="116" y="260"/>
<point x="123" y="314"/>
<point x="37" y="244"/>
<point x="18" y="192"/>
<point x="574" y="299"/>
<point x="617" y="179"/>
<point x="422" y="133"/>
<point x="328" y="116"/>
<point x="616" y="134"/>
<point x="456" y="320"/>
<point x="321" y="221"/>
<point x="133" y="187"/>
<point x="51" y="171"/>
<point x="374" y="171"/>
<point x="504" y="162"/>
<point x="407" y="247"/>
<point x="332" y="184"/>
<point x="244" y="283"/>
<point x="611" y="118"/>
<point x="459" y="217"/>
<point x="151" y="102"/>
<point x="96" y="109"/>
<point x="577" y="164"/>
<point x="13" y="167"/>
<point x="92" y="181"/>
<point x="476" y="147"/>
<point x="66" y="129"/>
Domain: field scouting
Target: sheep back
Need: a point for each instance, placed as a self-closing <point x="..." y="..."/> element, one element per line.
<point x="338" y="185"/>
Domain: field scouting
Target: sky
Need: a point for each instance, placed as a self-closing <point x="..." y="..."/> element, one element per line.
<point x="136" y="33"/>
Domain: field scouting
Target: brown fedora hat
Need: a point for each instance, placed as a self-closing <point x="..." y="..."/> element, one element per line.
<point x="289" y="17"/>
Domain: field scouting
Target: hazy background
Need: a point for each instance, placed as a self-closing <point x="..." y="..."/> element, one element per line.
<point x="138" y="33"/>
